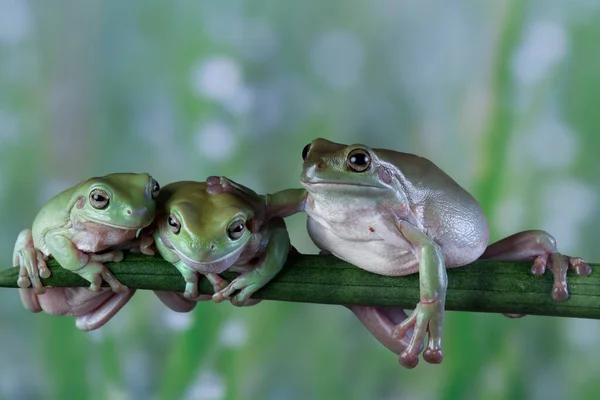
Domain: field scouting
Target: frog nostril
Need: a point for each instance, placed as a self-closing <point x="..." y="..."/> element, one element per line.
<point x="212" y="247"/>
<point x="128" y="211"/>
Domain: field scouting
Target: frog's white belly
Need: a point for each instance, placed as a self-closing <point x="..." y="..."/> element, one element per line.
<point x="357" y="241"/>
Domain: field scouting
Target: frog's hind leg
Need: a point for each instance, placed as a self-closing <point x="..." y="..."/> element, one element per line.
<point x="540" y="248"/>
<point x="104" y="312"/>
<point x="30" y="261"/>
<point x="381" y="321"/>
<point x="178" y="302"/>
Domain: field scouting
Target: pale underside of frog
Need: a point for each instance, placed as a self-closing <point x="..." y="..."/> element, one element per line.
<point x="204" y="234"/>
<point x="82" y="228"/>
<point x="395" y="214"/>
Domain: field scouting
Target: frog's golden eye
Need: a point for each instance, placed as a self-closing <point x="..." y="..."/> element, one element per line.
<point x="174" y="224"/>
<point x="99" y="199"/>
<point x="155" y="189"/>
<point x="236" y="229"/>
<point x="305" y="151"/>
<point x="359" y="160"/>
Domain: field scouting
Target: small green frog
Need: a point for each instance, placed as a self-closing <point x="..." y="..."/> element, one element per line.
<point x="206" y="234"/>
<point x="82" y="228"/>
<point x="395" y="214"/>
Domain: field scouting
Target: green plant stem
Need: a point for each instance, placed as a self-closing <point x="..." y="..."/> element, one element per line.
<point x="483" y="286"/>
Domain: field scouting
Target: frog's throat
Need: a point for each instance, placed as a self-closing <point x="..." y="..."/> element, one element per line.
<point x="214" y="266"/>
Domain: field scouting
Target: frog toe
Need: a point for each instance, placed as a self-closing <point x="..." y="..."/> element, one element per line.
<point x="408" y="360"/>
<point x="433" y="356"/>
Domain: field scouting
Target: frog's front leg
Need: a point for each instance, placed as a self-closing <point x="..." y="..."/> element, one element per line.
<point x="429" y="312"/>
<point x="281" y="204"/>
<point x="30" y="261"/>
<point x="84" y="264"/>
<point x="191" y="277"/>
<point x="539" y="247"/>
<point x="267" y="267"/>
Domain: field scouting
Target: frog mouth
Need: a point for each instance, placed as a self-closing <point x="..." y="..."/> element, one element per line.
<point x="308" y="184"/>
<point x="213" y="266"/>
<point x="122" y="227"/>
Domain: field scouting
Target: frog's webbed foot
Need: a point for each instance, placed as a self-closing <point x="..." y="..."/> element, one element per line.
<point x="146" y="243"/>
<point x="221" y="184"/>
<point x="95" y="271"/>
<point x="539" y="247"/>
<point x="426" y="318"/>
<point x="31" y="263"/>
<point x="246" y="283"/>
<point x="191" y="277"/>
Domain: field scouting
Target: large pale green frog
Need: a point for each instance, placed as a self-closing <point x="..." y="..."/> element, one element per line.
<point x="82" y="228"/>
<point x="395" y="214"/>
<point x="204" y="234"/>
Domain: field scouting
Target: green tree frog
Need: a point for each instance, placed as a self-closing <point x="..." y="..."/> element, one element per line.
<point x="395" y="214"/>
<point x="206" y="234"/>
<point x="81" y="227"/>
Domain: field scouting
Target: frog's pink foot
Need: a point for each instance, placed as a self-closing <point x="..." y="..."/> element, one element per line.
<point x="146" y="243"/>
<point x="381" y="321"/>
<point x="178" y="302"/>
<point x="539" y="247"/>
<point x="427" y="317"/>
<point x="219" y="184"/>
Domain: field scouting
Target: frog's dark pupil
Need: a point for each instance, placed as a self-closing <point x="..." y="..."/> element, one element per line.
<point x="238" y="228"/>
<point x="155" y="187"/>
<point x="172" y="222"/>
<point x="305" y="151"/>
<point x="98" y="198"/>
<point x="359" y="159"/>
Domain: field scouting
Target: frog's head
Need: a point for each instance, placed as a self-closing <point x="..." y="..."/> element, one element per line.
<point x="125" y="201"/>
<point x="203" y="228"/>
<point x="333" y="166"/>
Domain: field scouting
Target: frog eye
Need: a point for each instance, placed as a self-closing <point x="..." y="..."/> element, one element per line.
<point x="236" y="229"/>
<point x="99" y="199"/>
<point x="359" y="160"/>
<point x="174" y="224"/>
<point x="155" y="189"/>
<point x="305" y="151"/>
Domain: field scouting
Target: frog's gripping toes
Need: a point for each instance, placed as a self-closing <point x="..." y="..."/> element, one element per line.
<point x="31" y="263"/>
<point x="540" y="248"/>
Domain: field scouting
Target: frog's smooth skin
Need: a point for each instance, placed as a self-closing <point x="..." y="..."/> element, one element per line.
<point x="93" y="216"/>
<point x="394" y="214"/>
<point x="206" y="234"/>
<point x="90" y="309"/>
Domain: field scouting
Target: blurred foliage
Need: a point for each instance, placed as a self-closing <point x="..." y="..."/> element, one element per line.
<point x="501" y="95"/>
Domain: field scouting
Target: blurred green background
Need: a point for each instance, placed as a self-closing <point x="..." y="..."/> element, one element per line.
<point x="502" y="95"/>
